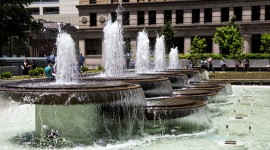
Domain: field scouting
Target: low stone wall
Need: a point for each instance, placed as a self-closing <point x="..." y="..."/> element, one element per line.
<point x="12" y="69"/>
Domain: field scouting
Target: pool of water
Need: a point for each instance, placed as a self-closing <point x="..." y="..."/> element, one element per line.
<point x="244" y="122"/>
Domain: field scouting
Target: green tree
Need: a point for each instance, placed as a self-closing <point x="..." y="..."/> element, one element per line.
<point x="168" y="31"/>
<point x="229" y="38"/>
<point x="15" y="21"/>
<point x="265" y="43"/>
<point x="198" y="45"/>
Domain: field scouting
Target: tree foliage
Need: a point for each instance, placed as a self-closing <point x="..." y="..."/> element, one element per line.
<point x="198" y="45"/>
<point x="16" y="20"/>
<point x="168" y="31"/>
<point x="265" y="43"/>
<point x="229" y="38"/>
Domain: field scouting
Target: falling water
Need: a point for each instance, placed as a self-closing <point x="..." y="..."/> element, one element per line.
<point x="66" y="64"/>
<point x="113" y="59"/>
<point x="174" y="62"/>
<point x="142" y="55"/>
<point x="160" y="59"/>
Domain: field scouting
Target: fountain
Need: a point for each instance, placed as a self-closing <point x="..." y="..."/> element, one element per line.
<point x="79" y="112"/>
<point x="101" y="111"/>
<point x="174" y="61"/>
<point x="160" y="59"/>
<point x="142" y="54"/>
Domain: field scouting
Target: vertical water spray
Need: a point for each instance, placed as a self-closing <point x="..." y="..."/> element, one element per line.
<point x="174" y="61"/>
<point x="160" y="59"/>
<point x="113" y="59"/>
<point x="143" y="54"/>
<point x="66" y="64"/>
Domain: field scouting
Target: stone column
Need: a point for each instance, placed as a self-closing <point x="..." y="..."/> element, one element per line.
<point x="146" y="17"/>
<point x="246" y="14"/>
<point x="173" y="17"/>
<point x="231" y="13"/>
<point x="262" y="13"/>
<point x="187" y="44"/>
<point x="215" y="48"/>
<point x="216" y="15"/>
<point x="133" y="18"/>
<point x="133" y="43"/>
<point x="187" y="16"/>
<point x="247" y="43"/>
<point x="201" y="16"/>
<point x="82" y="46"/>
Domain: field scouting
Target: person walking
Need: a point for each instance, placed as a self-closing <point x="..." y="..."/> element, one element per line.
<point x="210" y="65"/>
<point x="223" y="64"/>
<point x="81" y="60"/>
<point x="128" y="56"/>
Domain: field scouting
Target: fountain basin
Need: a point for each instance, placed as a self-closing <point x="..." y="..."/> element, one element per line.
<point x="152" y="86"/>
<point x="226" y="84"/>
<point x="82" y="112"/>
<point x="176" y="115"/>
<point x="178" y="80"/>
<point x="204" y="95"/>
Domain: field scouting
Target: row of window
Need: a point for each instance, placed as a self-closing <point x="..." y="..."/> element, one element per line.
<point x="255" y="15"/>
<point x="37" y="1"/>
<point x="46" y="10"/>
<point x="94" y="46"/>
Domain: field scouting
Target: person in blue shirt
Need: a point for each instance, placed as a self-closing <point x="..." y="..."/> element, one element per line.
<point x="49" y="71"/>
<point x="81" y="60"/>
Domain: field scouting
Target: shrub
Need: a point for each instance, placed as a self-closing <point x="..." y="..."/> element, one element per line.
<point x="33" y="72"/>
<point x="100" y="68"/>
<point x="84" y="69"/>
<point x="6" y="75"/>
<point x="40" y="70"/>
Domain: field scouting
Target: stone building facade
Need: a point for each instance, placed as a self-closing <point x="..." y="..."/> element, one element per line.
<point x="189" y="18"/>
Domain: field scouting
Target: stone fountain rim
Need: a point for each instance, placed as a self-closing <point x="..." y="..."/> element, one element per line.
<point x="206" y="92"/>
<point x="121" y="86"/>
<point x="127" y="80"/>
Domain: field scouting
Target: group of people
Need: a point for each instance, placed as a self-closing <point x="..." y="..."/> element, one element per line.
<point x="27" y="65"/>
<point x="50" y="68"/>
<point x="208" y="65"/>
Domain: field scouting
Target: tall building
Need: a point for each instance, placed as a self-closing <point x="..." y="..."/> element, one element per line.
<point x="51" y="13"/>
<point x="189" y="17"/>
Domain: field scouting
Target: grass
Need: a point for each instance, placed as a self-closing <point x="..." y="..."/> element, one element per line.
<point x="239" y="75"/>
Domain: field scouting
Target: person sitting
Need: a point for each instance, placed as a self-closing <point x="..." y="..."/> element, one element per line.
<point x="49" y="71"/>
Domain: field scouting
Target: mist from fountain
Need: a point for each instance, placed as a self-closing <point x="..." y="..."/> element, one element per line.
<point x="143" y="54"/>
<point x="160" y="58"/>
<point x="174" y="61"/>
<point x="113" y="57"/>
<point x="66" y="63"/>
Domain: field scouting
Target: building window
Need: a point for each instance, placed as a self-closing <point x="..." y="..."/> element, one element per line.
<point x="34" y="11"/>
<point x="256" y="42"/>
<point x="92" y="1"/>
<point x="93" y="19"/>
<point x="207" y="15"/>
<point x="125" y="18"/>
<point x="125" y="1"/>
<point x="50" y="0"/>
<point x="238" y="13"/>
<point x="179" y="16"/>
<point x="152" y="17"/>
<point x="113" y="16"/>
<point x="93" y="46"/>
<point x="114" y="1"/>
<point x="50" y="10"/>
<point x="195" y="15"/>
<point x="140" y="15"/>
<point x="225" y="13"/>
<point x="255" y="13"/>
<point x="267" y="12"/>
<point x="167" y="16"/>
<point x="179" y="42"/>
